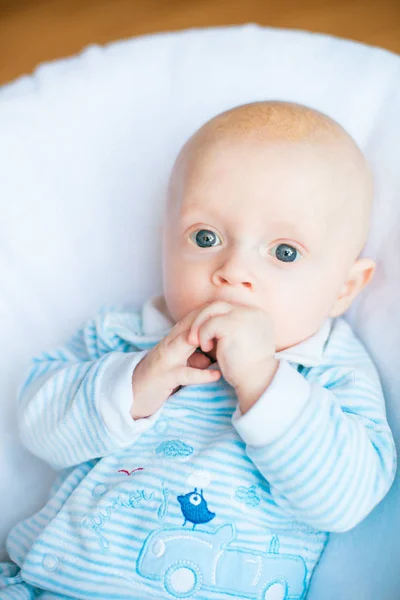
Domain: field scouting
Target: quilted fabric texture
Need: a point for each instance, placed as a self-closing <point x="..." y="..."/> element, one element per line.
<point x="86" y="145"/>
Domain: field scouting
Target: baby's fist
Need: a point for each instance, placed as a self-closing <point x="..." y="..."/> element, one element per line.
<point x="245" y="340"/>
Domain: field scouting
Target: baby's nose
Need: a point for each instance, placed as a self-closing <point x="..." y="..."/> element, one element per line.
<point x="235" y="271"/>
<point x="233" y="281"/>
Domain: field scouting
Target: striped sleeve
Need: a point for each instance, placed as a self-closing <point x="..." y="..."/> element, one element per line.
<point x="329" y="455"/>
<point x="74" y="404"/>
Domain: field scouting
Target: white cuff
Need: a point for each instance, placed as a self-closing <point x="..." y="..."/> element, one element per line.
<point x="276" y="409"/>
<point x="115" y="397"/>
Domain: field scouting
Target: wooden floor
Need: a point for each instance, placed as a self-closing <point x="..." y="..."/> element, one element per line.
<point x="33" y="31"/>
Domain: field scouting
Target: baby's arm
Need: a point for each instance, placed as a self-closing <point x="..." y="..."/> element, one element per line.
<point x="325" y="447"/>
<point x="74" y="403"/>
<point x="92" y="396"/>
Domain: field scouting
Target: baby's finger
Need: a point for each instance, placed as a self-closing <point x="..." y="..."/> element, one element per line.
<point x="176" y="351"/>
<point x="185" y="323"/>
<point x="211" y="310"/>
<point x="189" y="376"/>
<point x="213" y="328"/>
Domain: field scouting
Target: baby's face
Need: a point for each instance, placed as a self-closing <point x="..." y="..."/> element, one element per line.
<point x="258" y="224"/>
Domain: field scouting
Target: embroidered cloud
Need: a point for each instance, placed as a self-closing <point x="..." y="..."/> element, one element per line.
<point x="174" y="449"/>
<point x="247" y="496"/>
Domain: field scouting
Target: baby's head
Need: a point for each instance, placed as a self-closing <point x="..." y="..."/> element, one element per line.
<point x="269" y="205"/>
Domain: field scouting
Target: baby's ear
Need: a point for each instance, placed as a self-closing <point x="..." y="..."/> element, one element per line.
<point x="360" y="275"/>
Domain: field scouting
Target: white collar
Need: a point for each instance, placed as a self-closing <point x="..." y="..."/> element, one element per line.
<point x="308" y="353"/>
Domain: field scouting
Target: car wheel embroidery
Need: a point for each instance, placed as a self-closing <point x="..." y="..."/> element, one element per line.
<point x="182" y="579"/>
<point x="275" y="591"/>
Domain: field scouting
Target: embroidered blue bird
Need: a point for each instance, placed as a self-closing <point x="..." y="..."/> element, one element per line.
<point x="194" y="508"/>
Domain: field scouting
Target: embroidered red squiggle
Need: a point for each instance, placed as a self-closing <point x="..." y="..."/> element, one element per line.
<point x="130" y="473"/>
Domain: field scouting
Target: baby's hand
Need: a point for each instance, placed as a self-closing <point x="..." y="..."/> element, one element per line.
<point x="172" y="363"/>
<point x="245" y="346"/>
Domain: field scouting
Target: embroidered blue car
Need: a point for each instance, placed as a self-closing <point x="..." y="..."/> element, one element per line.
<point x="186" y="561"/>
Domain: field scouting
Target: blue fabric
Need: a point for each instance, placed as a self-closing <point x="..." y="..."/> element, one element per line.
<point x="189" y="508"/>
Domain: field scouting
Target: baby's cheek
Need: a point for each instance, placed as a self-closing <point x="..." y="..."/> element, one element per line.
<point x="182" y="298"/>
<point x="297" y="315"/>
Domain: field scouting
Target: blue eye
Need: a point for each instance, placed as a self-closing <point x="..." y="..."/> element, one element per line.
<point x="205" y="238"/>
<point x="286" y="253"/>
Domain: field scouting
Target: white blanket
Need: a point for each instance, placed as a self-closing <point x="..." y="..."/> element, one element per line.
<point x="86" y="145"/>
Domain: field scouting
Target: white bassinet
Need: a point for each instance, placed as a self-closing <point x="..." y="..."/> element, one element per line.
<point x="86" y="145"/>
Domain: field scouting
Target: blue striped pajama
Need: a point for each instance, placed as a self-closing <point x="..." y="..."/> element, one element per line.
<point x="198" y="499"/>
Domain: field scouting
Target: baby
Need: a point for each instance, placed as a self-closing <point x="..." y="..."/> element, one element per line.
<point x="208" y="443"/>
